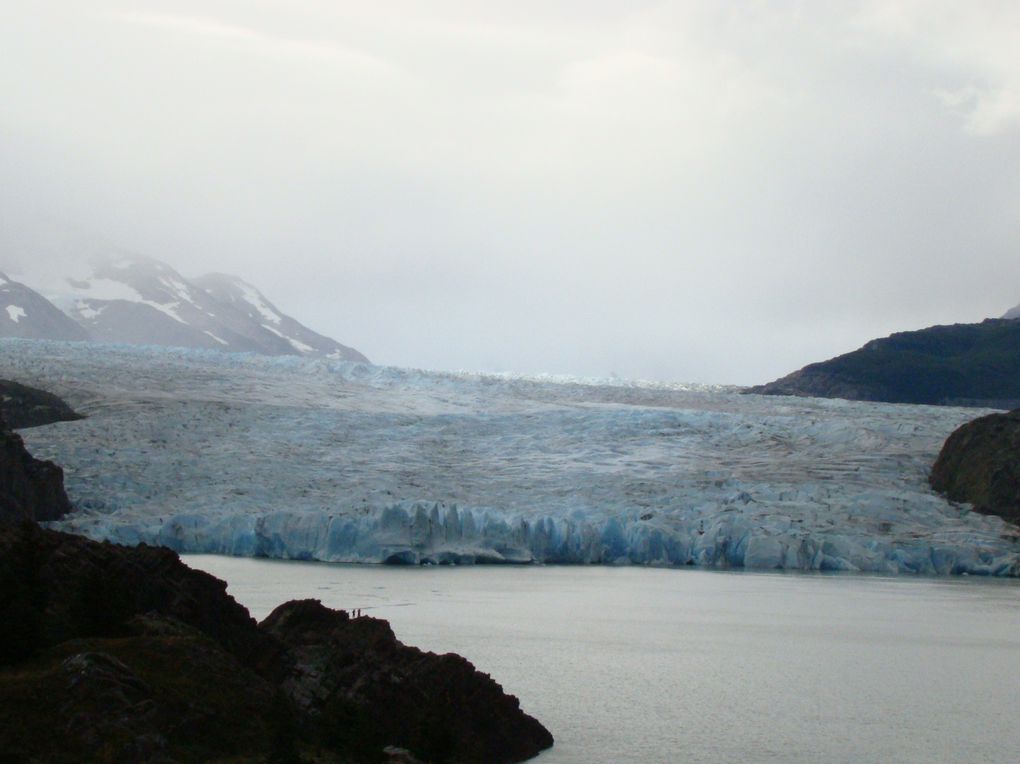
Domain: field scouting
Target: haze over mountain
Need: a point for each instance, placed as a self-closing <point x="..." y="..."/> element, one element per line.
<point x="676" y="190"/>
<point x="137" y="300"/>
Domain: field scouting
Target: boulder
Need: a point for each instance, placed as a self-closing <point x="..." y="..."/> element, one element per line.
<point x="980" y="464"/>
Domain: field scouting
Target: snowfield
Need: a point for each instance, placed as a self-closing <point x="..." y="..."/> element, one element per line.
<point x="328" y="460"/>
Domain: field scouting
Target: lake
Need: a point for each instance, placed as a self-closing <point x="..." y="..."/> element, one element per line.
<point x="644" y="665"/>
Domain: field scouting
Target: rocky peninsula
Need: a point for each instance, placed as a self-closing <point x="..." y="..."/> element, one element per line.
<point x="113" y="653"/>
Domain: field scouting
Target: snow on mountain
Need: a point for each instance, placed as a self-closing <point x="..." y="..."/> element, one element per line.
<point x="316" y="459"/>
<point x="26" y="313"/>
<point x="246" y="299"/>
<point x="141" y="301"/>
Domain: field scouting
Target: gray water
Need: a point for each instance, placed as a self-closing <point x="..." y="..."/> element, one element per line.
<point x="644" y="666"/>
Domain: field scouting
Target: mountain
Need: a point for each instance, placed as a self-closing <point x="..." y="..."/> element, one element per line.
<point x="962" y="364"/>
<point x="246" y="299"/>
<point x="1012" y="313"/>
<point x="141" y="301"/>
<point x="27" y="314"/>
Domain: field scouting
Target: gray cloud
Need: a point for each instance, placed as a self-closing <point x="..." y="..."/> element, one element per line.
<point x="697" y="191"/>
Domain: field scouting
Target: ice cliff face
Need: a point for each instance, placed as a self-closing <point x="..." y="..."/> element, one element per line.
<point x="317" y="459"/>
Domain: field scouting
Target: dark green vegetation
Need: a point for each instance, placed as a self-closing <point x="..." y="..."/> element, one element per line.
<point x="23" y="406"/>
<point x="962" y="364"/>
<point x="980" y="464"/>
<point x="124" y="654"/>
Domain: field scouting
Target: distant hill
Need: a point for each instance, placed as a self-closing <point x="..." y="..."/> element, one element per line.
<point x="27" y="314"/>
<point x="141" y="301"/>
<point x="962" y="364"/>
<point x="1013" y="312"/>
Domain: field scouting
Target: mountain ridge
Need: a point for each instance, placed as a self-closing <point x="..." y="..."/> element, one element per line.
<point x="134" y="299"/>
<point x="957" y="364"/>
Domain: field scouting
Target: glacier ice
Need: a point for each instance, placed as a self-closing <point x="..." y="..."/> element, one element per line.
<point x="328" y="460"/>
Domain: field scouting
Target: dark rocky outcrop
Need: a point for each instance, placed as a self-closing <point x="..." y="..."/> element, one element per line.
<point x="341" y="671"/>
<point x="93" y="589"/>
<point x="124" y="654"/>
<point x="22" y="406"/>
<point x="111" y="653"/>
<point x="30" y="489"/>
<point x="962" y="364"/>
<point x="980" y="464"/>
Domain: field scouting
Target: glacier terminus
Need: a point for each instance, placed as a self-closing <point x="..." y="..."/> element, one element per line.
<point x="321" y="459"/>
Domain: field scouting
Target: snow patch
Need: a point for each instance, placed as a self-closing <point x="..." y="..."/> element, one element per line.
<point x="178" y="288"/>
<point x="86" y="311"/>
<point x="218" y="339"/>
<point x="253" y="298"/>
<point x="16" y="313"/>
<point x="296" y="344"/>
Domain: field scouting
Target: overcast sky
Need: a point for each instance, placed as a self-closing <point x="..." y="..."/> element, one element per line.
<point x="696" y="191"/>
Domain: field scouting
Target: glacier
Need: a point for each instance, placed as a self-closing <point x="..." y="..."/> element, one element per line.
<point x="319" y="459"/>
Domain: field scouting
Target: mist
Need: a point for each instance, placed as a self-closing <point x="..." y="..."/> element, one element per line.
<point x="691" y="191"/>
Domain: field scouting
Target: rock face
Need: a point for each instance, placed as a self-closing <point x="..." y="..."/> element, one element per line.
<point x="341" y="671"/>
<point x="111" y="653"/>
<point x="23" y="406"/>
<point x="30" y="489"/>
<point x="980" y="464"/>
<point x="962" y="365"/>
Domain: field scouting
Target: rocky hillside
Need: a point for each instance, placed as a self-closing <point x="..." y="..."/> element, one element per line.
<point x="980" y="464"/>
<point x="962" y="364"/>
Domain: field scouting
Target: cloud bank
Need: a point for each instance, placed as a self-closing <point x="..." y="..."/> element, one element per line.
<point x="684" y="190"/>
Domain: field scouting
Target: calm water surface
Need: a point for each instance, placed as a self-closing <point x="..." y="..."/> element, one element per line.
<point x="645" y="666"/>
